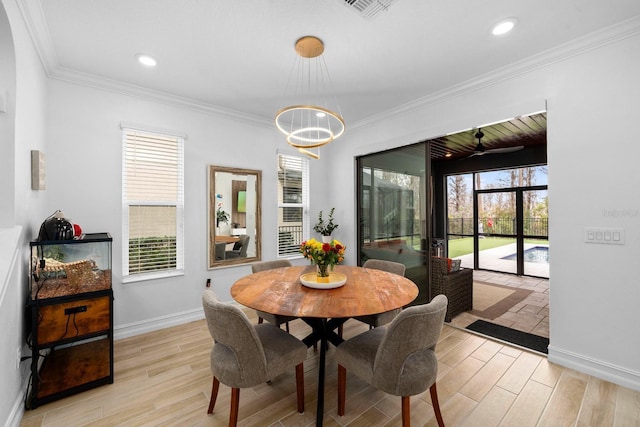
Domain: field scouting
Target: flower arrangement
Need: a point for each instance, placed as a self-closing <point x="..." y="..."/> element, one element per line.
<point x="325" y="228"/>
<point x="324" y="255"/>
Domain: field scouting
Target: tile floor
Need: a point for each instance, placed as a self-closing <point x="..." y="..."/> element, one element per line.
<point x="530" y="315"/>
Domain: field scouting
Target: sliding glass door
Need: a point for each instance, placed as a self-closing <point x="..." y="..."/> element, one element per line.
<point x="392" y="211"/>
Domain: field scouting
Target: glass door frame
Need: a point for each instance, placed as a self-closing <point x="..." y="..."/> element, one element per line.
<point x="519" y="231"/>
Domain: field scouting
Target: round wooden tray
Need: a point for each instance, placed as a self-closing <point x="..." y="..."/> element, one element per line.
<point x="336" y="280"/>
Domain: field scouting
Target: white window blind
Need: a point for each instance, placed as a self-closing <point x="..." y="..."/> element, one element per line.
<point x="153" y="204"/>
<point x="293" y="203"/>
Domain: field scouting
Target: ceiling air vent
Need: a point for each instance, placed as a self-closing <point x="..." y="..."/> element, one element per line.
<point x="368" y="9"/>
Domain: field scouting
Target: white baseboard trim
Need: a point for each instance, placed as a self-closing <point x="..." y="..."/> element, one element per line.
<point x="175" y="319"/>
<point x="137" y="328"/>
<point x="597" y="368"/>
<point x="17" y="411"/>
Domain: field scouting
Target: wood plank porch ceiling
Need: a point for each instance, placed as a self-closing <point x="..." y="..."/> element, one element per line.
<point x="527" y="131"/>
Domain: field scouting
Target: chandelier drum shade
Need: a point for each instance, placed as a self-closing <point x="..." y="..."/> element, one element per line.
<point x="311" y="123"/>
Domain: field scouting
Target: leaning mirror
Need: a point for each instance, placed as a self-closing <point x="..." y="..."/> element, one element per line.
<point x="234" y="216"/>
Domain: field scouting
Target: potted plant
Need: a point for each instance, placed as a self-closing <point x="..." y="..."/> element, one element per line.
<point x="221" y="216"/>
<point x="325" y="228"/>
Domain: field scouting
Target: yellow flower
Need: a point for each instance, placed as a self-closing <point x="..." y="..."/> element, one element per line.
<point x="320" y="253"/>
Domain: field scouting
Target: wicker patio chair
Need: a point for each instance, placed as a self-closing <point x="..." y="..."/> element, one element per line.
<point x="457" y="286"/>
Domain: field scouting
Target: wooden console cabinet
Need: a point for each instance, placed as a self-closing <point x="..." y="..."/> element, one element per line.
<point x="71" y="307"/>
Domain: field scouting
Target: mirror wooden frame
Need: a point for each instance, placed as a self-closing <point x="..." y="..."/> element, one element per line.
<point x="252" y="220"/>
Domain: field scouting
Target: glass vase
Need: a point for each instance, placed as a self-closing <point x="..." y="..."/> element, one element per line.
<point x="322" y="273"/>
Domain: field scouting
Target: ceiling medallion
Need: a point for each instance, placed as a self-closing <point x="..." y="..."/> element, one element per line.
<point x="311" y="123"/>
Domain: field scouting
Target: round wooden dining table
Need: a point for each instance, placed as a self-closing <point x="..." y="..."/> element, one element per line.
<point x="366" y="291"/>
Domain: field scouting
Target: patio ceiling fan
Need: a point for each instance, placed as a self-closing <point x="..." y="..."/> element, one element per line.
<point x="480" y="149"/>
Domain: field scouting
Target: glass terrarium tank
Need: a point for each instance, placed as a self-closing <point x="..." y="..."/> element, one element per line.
<point x="68" y="267"/>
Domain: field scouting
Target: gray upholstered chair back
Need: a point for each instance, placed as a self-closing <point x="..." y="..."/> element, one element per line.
<point x="375" y="320"/>
<point x="388" y="266"/>
<point x="244" y="241"/>
<point x="268" y="265"/>
<point x="220" y="250"/>
<point x="238" y="358"/>
<point x="410" y="340"/>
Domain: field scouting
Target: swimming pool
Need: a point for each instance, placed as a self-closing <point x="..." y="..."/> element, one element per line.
<point x="536" y="254"/>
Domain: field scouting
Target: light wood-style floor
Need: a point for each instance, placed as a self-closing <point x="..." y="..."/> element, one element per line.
<point x="163" y="379"/>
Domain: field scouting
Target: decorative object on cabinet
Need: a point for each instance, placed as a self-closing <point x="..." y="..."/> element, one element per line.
<point x="56" y="227"/>
<point x="71" y="305"/>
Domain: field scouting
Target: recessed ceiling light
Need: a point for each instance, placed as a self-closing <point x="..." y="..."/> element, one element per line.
<point x="146" y="60"/>
<point x="504" y="26"/>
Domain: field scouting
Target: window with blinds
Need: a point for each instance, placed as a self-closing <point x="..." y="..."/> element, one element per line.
<point x="293" y="203"/>
<point x="152" y="204"/>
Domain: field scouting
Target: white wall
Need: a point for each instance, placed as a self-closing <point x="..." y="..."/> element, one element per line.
<point x="21" y="130"/>
<point x="84" y="180"/>
<point x="592" y="156"/>
<point x="7" y="121"/>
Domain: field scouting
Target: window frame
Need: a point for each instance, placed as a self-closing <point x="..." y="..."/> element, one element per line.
<point x="289" y="251"/>
<point x="178" y="203"/>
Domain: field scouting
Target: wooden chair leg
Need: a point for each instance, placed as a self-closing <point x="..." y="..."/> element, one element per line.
<point x="340" y="331"/>
<point x="406" y="411"/>
<point x="286" y="326"/>
<point x="342" y="389"/>
<point x="300" y="386"/>
<point x="436" y="405"/>
<point x="260" y="320"/>
<point x="235" y="404"/>
<point x="214" y="395"/>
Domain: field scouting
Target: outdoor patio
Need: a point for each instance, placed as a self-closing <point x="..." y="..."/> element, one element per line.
<point x="531" y="314"/>
<point x="492" y="259"/>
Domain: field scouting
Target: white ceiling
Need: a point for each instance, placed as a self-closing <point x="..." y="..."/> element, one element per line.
<point x="237" y="55"/>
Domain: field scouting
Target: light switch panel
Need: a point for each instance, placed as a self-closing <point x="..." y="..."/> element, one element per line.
<point x="604" y="235"/>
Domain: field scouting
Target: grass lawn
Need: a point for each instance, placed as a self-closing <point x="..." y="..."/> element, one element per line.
<point x="464" y="246"/>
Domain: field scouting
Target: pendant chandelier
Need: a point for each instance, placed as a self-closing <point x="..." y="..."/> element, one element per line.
<point x="311" y="123"/>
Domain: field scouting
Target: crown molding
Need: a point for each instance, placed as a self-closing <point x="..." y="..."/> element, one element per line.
<point x="33" y="17"/>
<point x="592" y="41"/>
<point x="102" y="83"/>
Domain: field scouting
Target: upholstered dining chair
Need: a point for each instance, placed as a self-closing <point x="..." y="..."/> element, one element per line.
<point x="262" y="315"/>
<point x="220" y="249"/>
<point x="245" y="355"/>
<point x="239" y="248"/>
<point x="398" y="358"/>
<point x="375" y="320"/>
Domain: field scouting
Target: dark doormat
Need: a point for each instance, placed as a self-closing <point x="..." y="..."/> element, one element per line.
<point x="523" y="339"/>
